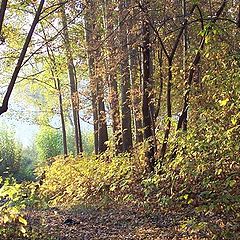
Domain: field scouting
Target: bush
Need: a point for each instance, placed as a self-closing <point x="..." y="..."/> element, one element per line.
<point x="90" y="179"/>
<point x="48" y="143"/>
<point x="27" y="164"/>
<point x="10" y="154"/>
<point x="12" y="221"/>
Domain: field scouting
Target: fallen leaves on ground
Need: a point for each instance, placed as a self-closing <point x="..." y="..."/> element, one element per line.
<point x="118" y="223"/>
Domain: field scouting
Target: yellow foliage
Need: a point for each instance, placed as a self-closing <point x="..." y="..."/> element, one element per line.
<point x="89" y="179"/>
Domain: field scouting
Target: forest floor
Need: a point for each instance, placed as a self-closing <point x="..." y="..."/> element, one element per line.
<point x="118" y="223"/>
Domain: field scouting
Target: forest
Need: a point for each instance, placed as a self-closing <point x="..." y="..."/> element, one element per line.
<point x="137" y="109"/>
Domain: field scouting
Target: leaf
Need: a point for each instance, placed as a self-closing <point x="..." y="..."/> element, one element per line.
<point x="219" y="171"/>
<point x="232" y="183"/>
<point x="185" y="196"/>
<point x="223" y="102"/>
<point x="22" y="229"/>
<point x="5" y="219"/>
<point x="234" y="120"/>
<point x="22" y="220"/>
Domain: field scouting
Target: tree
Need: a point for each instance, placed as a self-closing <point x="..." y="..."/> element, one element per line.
<point x="95" y="65"/>
<point x="147" y="107"/>
<point x="125" y="78"/>
<point x="135" y="71"/>
<point x="111" y="69"/>
<point x="2" y="14"/>
<point x="57" y="85"/>
<point x="73" y="83"/>
<point x="4" y="106"/>
<point x="48" y="143"/>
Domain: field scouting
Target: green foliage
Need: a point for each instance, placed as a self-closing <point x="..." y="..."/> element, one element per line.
<point x="48" y="143"/>
<point x="27" y="164"/>
<point x="12" y="222"/>
<point x="200" y="170"/>
<point x="14" y="160"/>
<point x="10" y="154"/>
<point x="87" y="141"/>
<point x="203" y="175"/>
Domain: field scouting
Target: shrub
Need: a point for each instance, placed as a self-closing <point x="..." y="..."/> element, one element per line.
<point x="89" y="179"/>
<point x="12" y="221"/>
<point x="10" y="154"/>
<point x="48" y="143"/>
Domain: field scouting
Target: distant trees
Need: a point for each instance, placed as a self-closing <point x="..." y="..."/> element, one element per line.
<point x="48" y="143"/>
<point x="10" y="154"/>
<point x="15" y="161"/>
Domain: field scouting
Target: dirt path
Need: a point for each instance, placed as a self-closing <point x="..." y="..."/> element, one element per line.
<point x="91" y="224"/>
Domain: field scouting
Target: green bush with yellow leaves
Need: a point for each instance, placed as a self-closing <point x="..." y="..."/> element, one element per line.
<point x="12" y="221"/>
<point x="70" y="181"/>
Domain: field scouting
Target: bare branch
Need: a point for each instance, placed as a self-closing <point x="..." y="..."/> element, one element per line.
<point x="4" y="106"/>
<point x="2" y="13"/>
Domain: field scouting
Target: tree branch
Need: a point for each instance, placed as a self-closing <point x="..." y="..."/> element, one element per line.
<point x="2" y="13"/>
<point x="4" y="106"/>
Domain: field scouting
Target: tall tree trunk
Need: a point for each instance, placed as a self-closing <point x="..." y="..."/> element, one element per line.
<point x="194" y="65"/>
<point x="2" y="14"/>
<point x="134" y="54"/>
<point x="136" y="95"/>
<point x="111" y="75"/>
<point x="148" y="108"/>
<point x="73" y="85"/>
<point x="96" y="81"/>
<point x="102" y="121"/>
<point x="169" y="110"/>
<point x="90" y="52"/>
<point x="60" y="100"/>
<point x="185" y="48"/>
<point x="57" y="85"/>
<point x="64" y="133"/>
<point x="125" y="80"/>
<point x="115" y="112"/>
<point x="159" y="100"/>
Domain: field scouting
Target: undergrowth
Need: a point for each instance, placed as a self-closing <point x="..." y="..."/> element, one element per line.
<point x="200" y="178"/>
<point x="12" y="220"/>
<point x="88" y="180"/>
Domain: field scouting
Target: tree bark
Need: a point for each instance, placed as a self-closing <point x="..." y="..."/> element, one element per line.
<point x="183" y="117"/>
<point x="135" y="74"/>
<point x="125" y="81"/>
<point x="64" y="133"/>
<point x="111" y="75"/>
<point x="96" y="81"/>
<point x="57" y="85"/>
<point x="2" y="14"/>
<point x="73" y="84"/>
<point x="169" y="110"/>
<point x="102" y="122"/>
<point x="148" y="107"/>
<point x="185" y="48"/>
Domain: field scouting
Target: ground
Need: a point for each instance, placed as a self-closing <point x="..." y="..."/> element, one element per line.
<point x="114" y="223"/>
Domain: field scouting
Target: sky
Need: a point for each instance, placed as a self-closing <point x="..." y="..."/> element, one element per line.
<point x="24" y="132"/>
